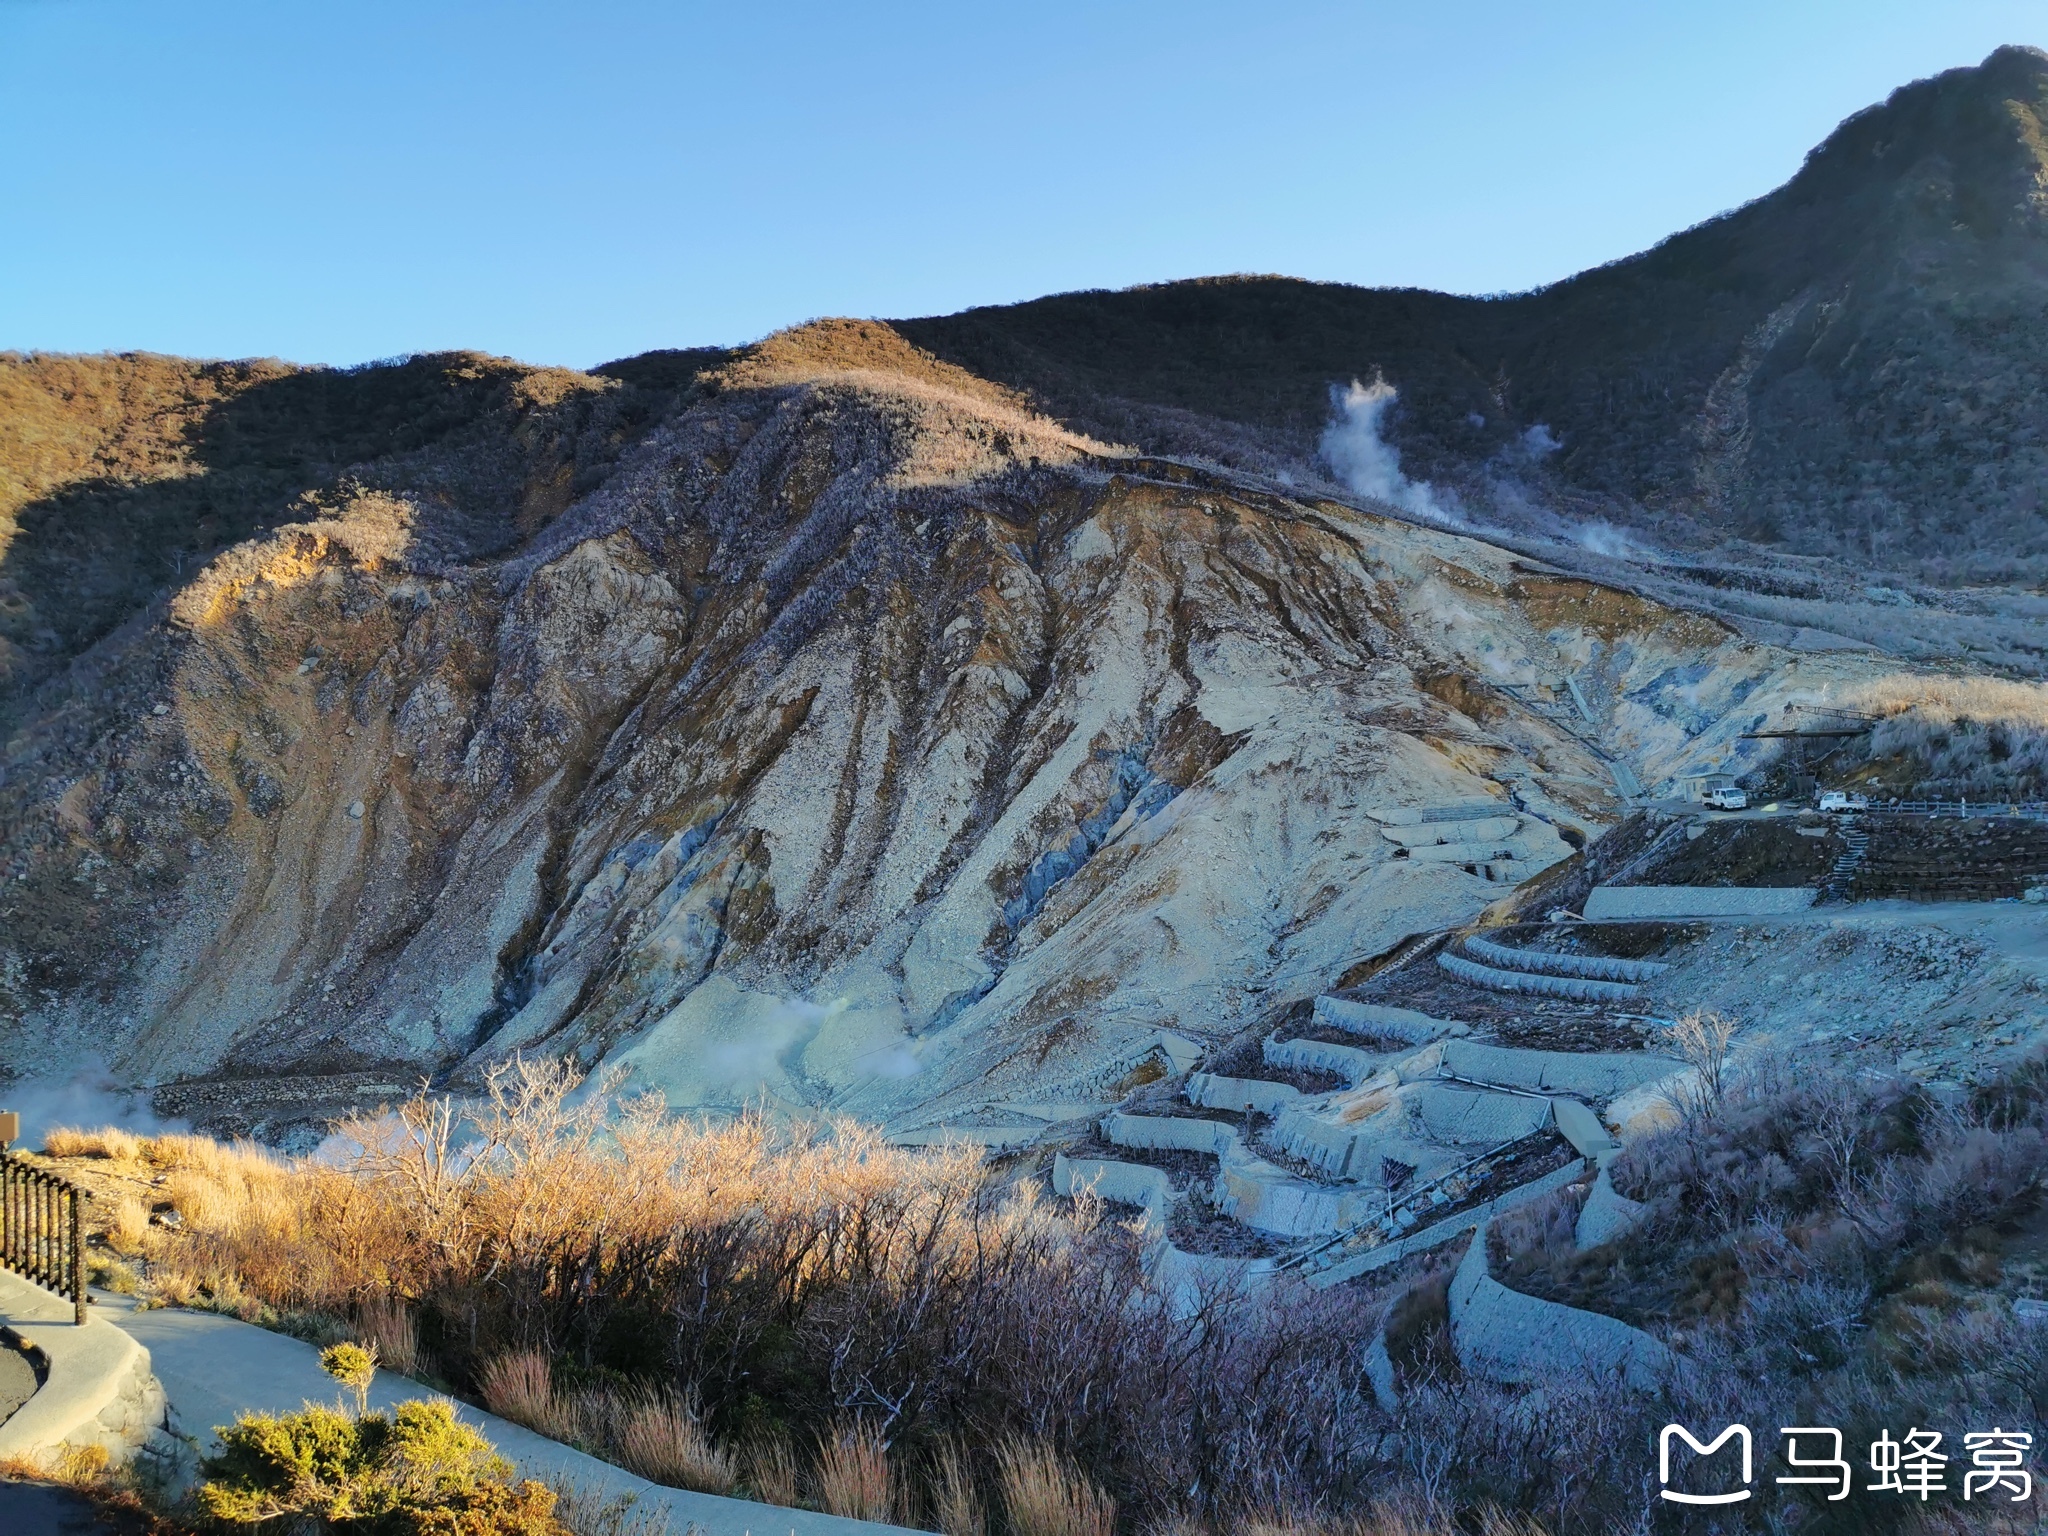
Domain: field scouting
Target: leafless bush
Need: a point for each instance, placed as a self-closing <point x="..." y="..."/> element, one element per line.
<point x="1980" y="736"/>
<point x="1701" y="1040"/>
<point x="812" y="1268"/>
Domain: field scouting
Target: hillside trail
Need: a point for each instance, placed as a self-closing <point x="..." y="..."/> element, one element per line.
<point x="214" y="1369"/>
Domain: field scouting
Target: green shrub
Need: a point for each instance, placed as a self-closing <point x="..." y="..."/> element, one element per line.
<point x="420" y="1472"/>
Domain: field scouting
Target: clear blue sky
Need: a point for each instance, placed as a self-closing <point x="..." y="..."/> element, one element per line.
<point x="572" y="182"/>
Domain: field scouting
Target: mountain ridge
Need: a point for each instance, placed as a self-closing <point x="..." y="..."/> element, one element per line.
<point x="1771" y="303"/>
<point x="817" y="722"/>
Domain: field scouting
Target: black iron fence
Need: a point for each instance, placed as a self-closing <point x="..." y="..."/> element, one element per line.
<point x="42" y="1230"/>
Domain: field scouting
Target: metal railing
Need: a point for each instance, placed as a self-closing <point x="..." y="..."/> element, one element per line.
<point x="2035" y="810"/>
<point x="42" y="1232"/>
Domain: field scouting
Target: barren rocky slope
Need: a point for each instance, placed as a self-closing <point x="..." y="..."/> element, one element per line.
<point x="831" y="729"/>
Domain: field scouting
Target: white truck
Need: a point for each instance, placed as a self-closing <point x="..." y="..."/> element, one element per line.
<point x="1842" y="801"/>
<point x="1724" y="797"/>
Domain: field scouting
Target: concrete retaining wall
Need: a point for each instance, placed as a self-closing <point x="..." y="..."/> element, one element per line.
<point x="1503" y="1335"/>
<point x="1483" y="829"/>
<point x="1536" y="986"/>
<point x="1213" y="1092"/>
<point x="1607" y="903"/>
<point x="1347" y="1061"/>
<point x="1263" y="1197"/>
<point x="1167" y="1133"/>
<point x="1606" y="1214"/>
<point x="1460" y="853"/>
<point x="1454" y="810"/>
<point x="1320" y="1143"/>
<point x="1598" y="1076"/>
<point x="1380" y="1019"/>
<point x="1588" y="967"/>
<point x="98" y="1388"/>
<point x="1129" y="1183"/>
<point x="1467" y="1118"/>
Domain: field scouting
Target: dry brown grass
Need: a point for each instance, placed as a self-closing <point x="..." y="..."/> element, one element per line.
<point x="956" y="1501"/>
<point x="1977" y="736"/>
<point x="1044" y="1494"/>
<point x="854" y="1476"/>
<point x="771" y="1471"/>
<point x="386" y="1325"/>
<point x="788" y="1276"/>
<point x="660" y="1436"/>
<point x="127" y="1225"/>
<point x="519" y="1386"/>
<point x="109" y="1142"/>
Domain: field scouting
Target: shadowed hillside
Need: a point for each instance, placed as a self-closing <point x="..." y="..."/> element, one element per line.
<point x="1852" y="365"/>
<point x="121" y="476"/>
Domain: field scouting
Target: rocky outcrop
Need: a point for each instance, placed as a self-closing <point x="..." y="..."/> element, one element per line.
<point x="854" y="738"/>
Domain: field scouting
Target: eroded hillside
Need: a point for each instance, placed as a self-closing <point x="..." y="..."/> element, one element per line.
<point x="857" y="738"/>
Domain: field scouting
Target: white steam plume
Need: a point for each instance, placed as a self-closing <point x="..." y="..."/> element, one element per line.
<point x="1368" y="464"/>
<point x="89" y="1099"/>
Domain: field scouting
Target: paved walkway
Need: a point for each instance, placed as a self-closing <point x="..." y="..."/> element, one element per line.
<point x="214" y="1368"/>
<point x="35" y="1509"/>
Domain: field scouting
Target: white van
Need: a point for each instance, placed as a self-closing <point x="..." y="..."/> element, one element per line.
<point x="1725" y="797"/>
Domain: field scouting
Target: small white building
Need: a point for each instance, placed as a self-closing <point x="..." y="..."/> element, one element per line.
<point x="1697" y="786"/>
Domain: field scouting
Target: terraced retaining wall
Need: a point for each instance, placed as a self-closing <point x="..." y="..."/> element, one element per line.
<point x="1593" y="1075"/>
<point x="1127" y="1183"/>
<point x="1337" y="1271"/>
<point x="1347" y="1061"/>
<point x="1213" y="1092"/>
<point x="1381" y="1019"/>
<point x="1575" y="988"/>
<point x="1168" y="1133"/>
<point x="1607" y="903"/>
<point x="1503" y="1335"/>
<point x="1466" y="1118"/>
<point x="1587" y="967"/>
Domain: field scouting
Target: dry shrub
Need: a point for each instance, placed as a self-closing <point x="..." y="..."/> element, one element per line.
<point x="127" y="1225"/>
<point x="1969" y="735"/>
<point x="771" y="1471"/>
<point x="386" y="1324"/>
<point x="519" y="1385"/>
<point x="1701" y="1040"/>
<point x="108" y="1141"/>
<point x="794" y="1274"/>
<point x="1418" y="1330"/>
<point x="660" y="1436"/>
<point x="854" y="1476"/>
<point x="1044" y="1494"/>
<point x="592" y="1512"/>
